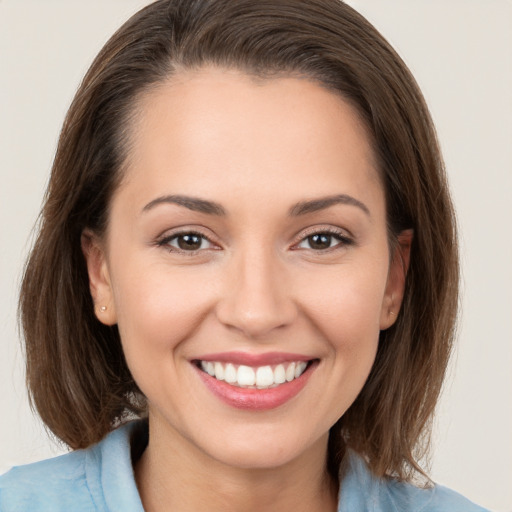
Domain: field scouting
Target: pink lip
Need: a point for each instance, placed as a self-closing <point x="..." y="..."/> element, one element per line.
<point x="246" y="359"/>
<point x="256" y="399"/>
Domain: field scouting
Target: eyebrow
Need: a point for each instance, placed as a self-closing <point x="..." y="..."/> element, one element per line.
<point x="192" y="203"/>
<point x="315" y="205"/>
<point x="213" y="208"/>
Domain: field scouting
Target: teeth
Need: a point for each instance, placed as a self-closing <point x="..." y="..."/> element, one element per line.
<point x="245" y="376"/>
<point x="299" y="369"/>
<point x="230" y="374"/>
<point x="279" y="374"/>
<point x="290" y="372"/>
<point x="219" y="371"/>
<point x="262" y="377"/>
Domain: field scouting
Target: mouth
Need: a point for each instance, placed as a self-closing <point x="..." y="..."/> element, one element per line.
<point x="249" y="377"/>
<point x="255" y="383"/>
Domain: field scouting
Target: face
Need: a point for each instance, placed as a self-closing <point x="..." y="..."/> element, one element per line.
<point x="247" y="264"/>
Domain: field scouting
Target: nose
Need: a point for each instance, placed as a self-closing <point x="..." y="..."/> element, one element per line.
<point x="256" y="297"/>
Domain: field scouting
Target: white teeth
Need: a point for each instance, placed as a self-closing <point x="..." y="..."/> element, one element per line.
<point x="210" y="369"/>
<point x="246" y="376"/>
<point x="262" y="377"/>
<point x="219" y="371"/>
<point x="290" y="372"/>
<point x="299" y="369"/>
<point x="279" y="374"/>
<point x="230" y="374"/>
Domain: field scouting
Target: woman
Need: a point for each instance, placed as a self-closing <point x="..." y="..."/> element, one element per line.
<point x="247" y="242"/>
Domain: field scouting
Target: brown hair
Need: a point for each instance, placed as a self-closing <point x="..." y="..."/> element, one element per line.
<point x="77" y="376"/>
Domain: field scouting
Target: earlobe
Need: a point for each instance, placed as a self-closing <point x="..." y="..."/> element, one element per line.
<point x="99" y="278"/>
<point x="395" y="286"/>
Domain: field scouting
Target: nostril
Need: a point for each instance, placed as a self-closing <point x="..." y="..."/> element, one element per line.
<point x="255" y="317"/>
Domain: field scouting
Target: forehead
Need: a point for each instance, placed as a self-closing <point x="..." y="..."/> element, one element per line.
<point x="212" y="125"/>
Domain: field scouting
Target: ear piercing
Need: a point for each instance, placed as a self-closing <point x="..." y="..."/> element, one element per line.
<point x="103" y="309"/>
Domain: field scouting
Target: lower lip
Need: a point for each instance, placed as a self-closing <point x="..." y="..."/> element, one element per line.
<point x="256" y="399"/>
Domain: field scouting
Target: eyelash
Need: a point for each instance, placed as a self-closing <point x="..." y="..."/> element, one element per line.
<point x="340" y="236"/>
<point x="165" y="242"/>
<point x="337" y="234"/>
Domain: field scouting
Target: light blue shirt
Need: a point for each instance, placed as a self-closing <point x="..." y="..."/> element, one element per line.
<point x="100" y="478"/>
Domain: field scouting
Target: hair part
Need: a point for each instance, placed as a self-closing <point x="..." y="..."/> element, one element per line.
<point x="76" y="372"/>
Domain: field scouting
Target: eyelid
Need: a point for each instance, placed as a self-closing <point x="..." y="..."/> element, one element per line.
<point x="342" y="235"/>
<point x="164" y="239"/>
<point x="345" y="238"/>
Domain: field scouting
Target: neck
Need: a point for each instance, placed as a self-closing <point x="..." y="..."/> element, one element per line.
<point x="195" y="481"/>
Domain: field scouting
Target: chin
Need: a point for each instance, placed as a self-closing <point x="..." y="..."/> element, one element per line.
<point x="258" y="458"/>
<point x="264" y="449"/>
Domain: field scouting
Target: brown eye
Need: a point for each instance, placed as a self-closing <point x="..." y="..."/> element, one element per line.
<point x="322" y="241"/>
<point x="188" y="242"/>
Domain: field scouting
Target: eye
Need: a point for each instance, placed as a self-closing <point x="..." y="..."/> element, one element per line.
<point x="187" y="242"/>
<point x="321" y="241"/>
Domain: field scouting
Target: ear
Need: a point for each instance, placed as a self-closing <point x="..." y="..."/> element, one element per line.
<point x="395" y="285"/>
<point x="99" y="278"/>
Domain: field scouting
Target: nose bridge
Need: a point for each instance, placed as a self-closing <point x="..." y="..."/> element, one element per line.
<point x="255" y="299"/>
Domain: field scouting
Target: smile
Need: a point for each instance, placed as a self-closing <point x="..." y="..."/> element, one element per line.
<point x="260" y="377"/>
<point x="255" y="382"/>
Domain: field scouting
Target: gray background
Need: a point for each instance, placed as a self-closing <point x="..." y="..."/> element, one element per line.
<point x="461" y="54"/>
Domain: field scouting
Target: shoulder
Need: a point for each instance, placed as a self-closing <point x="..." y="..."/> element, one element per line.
<point x="361" y="491"/>
<point x="60" y="483"/>
<point x="434" y="499"/>
<point x="96" y="479"/>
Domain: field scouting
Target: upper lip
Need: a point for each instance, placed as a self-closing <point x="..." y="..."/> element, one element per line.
<point x="247" y="359"/>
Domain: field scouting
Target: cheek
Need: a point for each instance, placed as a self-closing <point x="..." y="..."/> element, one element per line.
<point x="157" y="308"/>
<point x="346" y="305"/>
<point x="345" y="310"/>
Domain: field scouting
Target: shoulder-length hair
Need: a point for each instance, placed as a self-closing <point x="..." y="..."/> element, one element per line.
<point x="76" y="372"/>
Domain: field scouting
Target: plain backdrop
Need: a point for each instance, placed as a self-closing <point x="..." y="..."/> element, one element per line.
<point x="461" y="54"/>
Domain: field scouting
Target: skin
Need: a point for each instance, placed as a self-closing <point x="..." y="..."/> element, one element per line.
<point x="257" y="148"/>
